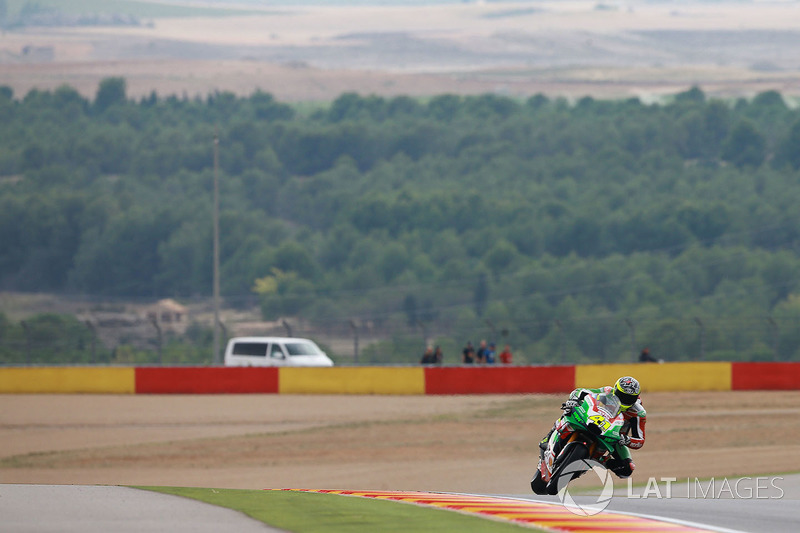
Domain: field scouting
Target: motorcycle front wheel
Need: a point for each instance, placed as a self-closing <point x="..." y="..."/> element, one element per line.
<point x="576" y="453"/>
<point x="538" y="485"/>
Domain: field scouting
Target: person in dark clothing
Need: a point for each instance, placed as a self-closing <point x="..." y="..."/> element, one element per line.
<point x="480" y="354"/>
<point x="645" y="357"/>
<point x="428" y="358"/>
<point x="468" y="354"/>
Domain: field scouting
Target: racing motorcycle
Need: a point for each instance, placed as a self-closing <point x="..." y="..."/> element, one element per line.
<point x="596" y="425"/>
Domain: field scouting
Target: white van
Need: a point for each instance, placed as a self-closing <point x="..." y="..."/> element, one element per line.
<point x="274" y="351"/>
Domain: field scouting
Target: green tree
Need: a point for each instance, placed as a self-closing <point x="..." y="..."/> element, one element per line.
<point x="769" y="99"/>
<point x="789" y="149"/>
<point x="393" y="261"/>
<point x="481" y="294"/>
<point x="501" y="257"/>
<point x="693" y="95"/>
<point x="293" y="257"/>
<point x="744" y="146"/>
<point x="283" y="294"/>
<point x="410" y="310"/>
<point x="110" y="92"/>
<point x="122" y="259"/>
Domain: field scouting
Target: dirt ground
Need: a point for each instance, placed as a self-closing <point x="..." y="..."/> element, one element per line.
<point x="447" y="443"/>
<point x="314" y="53"/>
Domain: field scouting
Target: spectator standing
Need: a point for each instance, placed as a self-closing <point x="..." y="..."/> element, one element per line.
<point x="645" y="356"/>
<point x="505" y="355"/>
<point x="428" y="358"/>
<point x="490" y="354"/>
<point x="438" y="356"/>
<point x="468" y="354"/>
<point x="480" y="354"/>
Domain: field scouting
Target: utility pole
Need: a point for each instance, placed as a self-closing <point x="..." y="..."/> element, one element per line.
<point x="215" y="356"/>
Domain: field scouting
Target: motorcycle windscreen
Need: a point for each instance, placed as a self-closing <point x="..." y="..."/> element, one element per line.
<point x="609" y="405"/>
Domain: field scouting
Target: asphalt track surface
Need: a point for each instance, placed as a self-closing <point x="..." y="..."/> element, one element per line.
<point x="724" y="515"/>
<point x="102" y="509"/>
<point x="774" y="510"/>
<point x="96" y="509"/>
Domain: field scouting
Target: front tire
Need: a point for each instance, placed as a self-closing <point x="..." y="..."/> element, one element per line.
<point x="576" y="453"/>
<point x="538" y="486"/>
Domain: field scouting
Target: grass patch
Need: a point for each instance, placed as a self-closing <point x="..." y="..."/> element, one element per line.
<point x="308" y="512"/>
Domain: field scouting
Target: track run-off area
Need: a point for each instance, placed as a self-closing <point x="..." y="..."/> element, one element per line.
<point x="95" y="509"/>
<point x="548" y="516"/>
<point x="75" y="440"/>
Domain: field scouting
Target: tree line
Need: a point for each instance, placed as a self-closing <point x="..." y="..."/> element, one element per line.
<point x="450" y="209"/>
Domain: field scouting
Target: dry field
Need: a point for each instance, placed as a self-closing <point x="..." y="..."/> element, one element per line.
<point x="447" y="443"/>
<point x="570" y="48"/>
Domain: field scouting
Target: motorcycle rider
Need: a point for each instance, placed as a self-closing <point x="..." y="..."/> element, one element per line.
<point x="627" y="389"/>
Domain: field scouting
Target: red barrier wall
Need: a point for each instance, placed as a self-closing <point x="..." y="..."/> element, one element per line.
<point x="499" y="379"/>
<point x="765" y="376"/>
<point x="206" y="380"/>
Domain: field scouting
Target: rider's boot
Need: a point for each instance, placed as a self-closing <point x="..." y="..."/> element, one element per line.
<point x="623" y="468"/>
<point x="544" y="441"/>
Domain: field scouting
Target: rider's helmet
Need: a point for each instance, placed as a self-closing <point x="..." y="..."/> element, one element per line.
<point x="627" y="390"/>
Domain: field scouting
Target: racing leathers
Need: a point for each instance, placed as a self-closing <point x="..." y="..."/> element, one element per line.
<point x="632" y="430"/>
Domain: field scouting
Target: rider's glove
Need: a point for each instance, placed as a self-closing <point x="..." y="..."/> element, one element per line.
<point x="625" y="440"/>
<point x="569" y="406"/>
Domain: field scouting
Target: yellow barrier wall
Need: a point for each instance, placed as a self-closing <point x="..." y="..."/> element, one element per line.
<point x="659" y="377"/>
<point x="56" y="380"/>
<point x="351" y="380"/>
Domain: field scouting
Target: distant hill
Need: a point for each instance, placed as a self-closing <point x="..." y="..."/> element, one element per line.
<point x="539" y="216"/>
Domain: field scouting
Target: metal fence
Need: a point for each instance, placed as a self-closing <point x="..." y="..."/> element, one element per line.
<point x="394" y="340"/>
<point x="566" y="341"/>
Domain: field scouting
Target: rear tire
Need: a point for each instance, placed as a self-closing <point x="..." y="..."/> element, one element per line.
<point x="576" y="453"/>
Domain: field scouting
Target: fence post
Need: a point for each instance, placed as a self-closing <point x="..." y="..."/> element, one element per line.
<point x="154" y="321"/>
<point x="562" y="347"/>
<point x="94" y="340"/>
<point x="27" y="332"/>
<point x="702" y="337"/>
<point x="355" y="340"/>
<point x="775" y="336"/>
<point x="632" y="327"/>
<point x="424" y="334"/>
<point x="224" y="330"/>
<point x="288" y="328"/>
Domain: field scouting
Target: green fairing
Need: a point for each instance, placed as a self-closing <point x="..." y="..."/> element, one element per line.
<point x="609" y="438"/>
